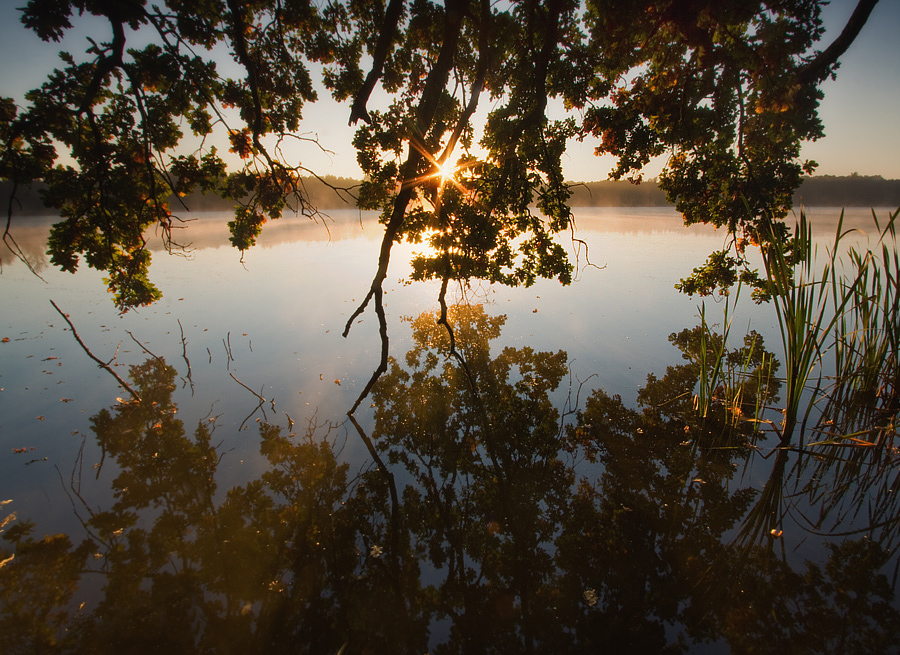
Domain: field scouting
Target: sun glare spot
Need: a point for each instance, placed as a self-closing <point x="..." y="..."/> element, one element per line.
<point x="446" y="171"/>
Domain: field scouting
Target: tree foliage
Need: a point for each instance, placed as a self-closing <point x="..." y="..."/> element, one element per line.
<point x="727" y="90"/>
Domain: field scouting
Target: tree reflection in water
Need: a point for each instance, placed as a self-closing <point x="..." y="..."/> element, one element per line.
<point x="491" y="520"/>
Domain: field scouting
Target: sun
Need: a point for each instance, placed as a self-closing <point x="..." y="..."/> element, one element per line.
<point x="446" y="171"/>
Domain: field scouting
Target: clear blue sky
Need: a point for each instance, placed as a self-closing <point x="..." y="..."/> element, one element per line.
<point x="861" y="109"/>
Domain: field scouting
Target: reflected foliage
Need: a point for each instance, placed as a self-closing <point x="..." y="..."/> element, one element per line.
<point x="492" y="517"/>
<point x="488" y="489"/>
<point x="269" y="564"/>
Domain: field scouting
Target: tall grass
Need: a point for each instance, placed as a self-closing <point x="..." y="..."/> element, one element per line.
<point x="854" y="474"/>
<point x="712" y="358"/>
<point x="864" y="396"/>
<point x="838" y="319"/>
<point x="839" y="322"/>
<point x="737" y="385"/>
<point x="809" y="303"/>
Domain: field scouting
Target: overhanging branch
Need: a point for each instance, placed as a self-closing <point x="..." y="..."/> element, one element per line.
<point x="820" y="67"/>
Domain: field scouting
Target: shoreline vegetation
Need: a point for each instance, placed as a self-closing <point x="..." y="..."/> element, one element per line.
<point x="817" y="191"/>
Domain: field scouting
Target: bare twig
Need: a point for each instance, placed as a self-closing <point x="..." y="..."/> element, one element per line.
<point x="248" y="388"/>
<point x="143" y="347"/>
<point x="230" y="357"/>
<point x="10" y="241"/>
<point x="262" y="401"/>
<point x="100" y="363"/>
<point x="184" y="355"/>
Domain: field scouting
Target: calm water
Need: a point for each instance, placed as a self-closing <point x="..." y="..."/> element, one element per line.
<point x="558" y="494"/>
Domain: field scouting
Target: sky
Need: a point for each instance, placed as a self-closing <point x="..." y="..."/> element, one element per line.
<point x="860" y="111"/>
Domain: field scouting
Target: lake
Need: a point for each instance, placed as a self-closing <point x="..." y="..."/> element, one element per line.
<point x="552" y="490"/>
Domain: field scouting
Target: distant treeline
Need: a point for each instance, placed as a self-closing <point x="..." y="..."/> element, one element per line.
<point x="848" y="191"/>
<point x="609" y="193"/>
<point x="329" y="192"/>
<point x="820" y="191"/>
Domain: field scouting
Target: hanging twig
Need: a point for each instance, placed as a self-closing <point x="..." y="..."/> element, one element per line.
<point x="100" y="363"/>
<point x="8" y="239"/>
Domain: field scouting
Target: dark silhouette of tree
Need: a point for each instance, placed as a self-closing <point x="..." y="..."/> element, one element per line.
<point x="729" y="88"/>
<point x="490" y="519"/>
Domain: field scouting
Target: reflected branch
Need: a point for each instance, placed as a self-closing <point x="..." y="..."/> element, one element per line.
<point x="100" y="362"/>
<point x="262" y="401"/>
<point x="389" y="478"/>
<point x="385" y="349"/>
<point x="185" y="357"/>
<point x="396" y="580"/>
<point x="143" y="347"/>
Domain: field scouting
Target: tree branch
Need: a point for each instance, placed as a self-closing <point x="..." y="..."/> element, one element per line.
<point x="106" y="65"/>
<point x="431" y="94"/>
<point x="385" y="37"/>
<point x="820" y="67"/>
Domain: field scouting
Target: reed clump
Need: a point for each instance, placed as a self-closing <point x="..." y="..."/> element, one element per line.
<point x="840" y="328"/>
<point x="863" y="397"/>
<point x="838" y="316"/>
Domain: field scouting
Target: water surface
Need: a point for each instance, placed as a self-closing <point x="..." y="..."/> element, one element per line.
<point x="557" y="493"/>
